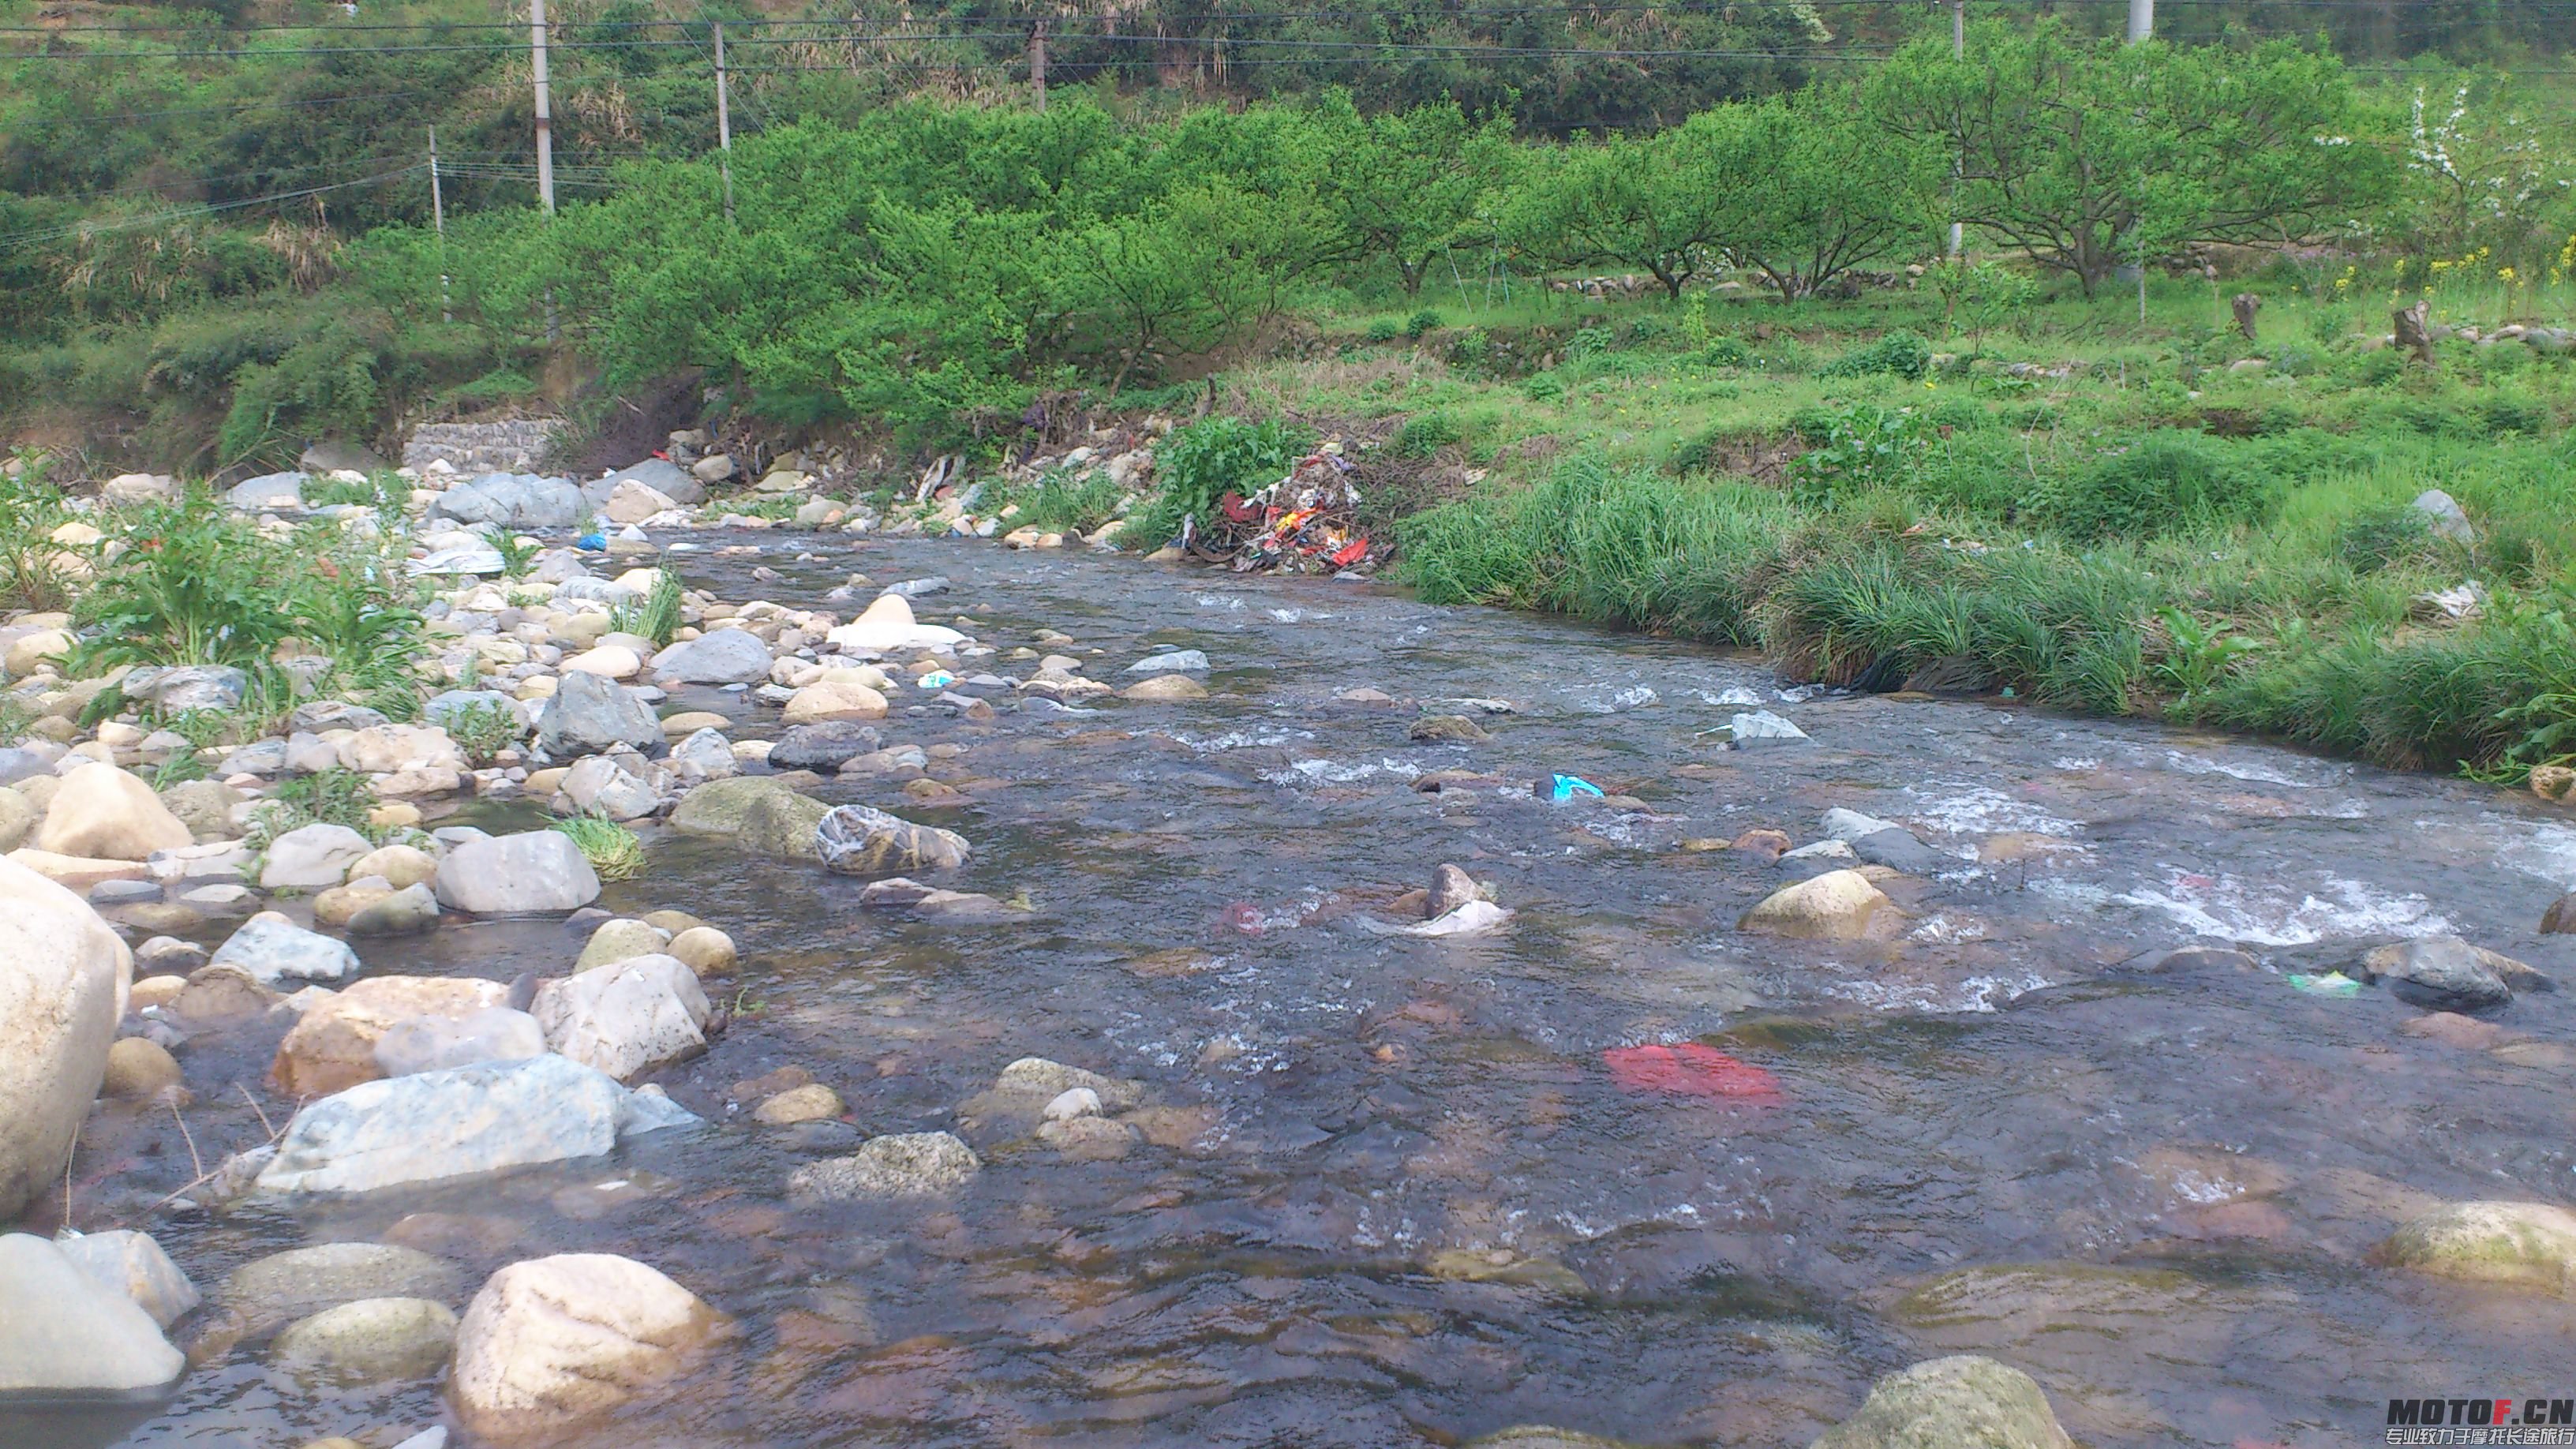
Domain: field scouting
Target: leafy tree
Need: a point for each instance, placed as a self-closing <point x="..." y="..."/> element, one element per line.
<point x="1814" y="190"/>
<point x="2076" y="149"/>
<point x="1404" y="185"/>
<point x="1661" y="205"/>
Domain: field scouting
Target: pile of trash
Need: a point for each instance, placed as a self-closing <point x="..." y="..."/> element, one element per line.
<point x="1306" y="523"/>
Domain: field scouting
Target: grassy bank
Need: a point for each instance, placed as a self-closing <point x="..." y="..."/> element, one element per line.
<point x="2077" y="507"/>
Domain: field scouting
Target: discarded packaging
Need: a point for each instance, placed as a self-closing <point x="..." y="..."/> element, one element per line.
<point x="1307" y="522"/>
<point x="2332" y="983"/>
<point x="1566" y="787"/>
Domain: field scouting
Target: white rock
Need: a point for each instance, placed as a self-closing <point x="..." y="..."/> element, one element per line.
<point x="553" y="1341"/>
<point x="62" y="1331"/>
<point x="626" y="1018"/>
<point x="63" y="980"/>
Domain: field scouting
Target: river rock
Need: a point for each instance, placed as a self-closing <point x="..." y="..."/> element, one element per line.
<point x="64" y="1333"/>
<point x="600" y="785"/>
<point x="311" y="857"/>
<point x="63" y="982"/>
<point x="1188" y="661"/>
<point x="274" y="950"/>
<point x="2558" y="920"/>
<point x="19" y="817"/>
<point x="812" y="1102"/>
<point x="2444" y="516"/>
<point x="534" y="872"/>
<point x="1543" y="1436"/>
<point x="887" y="625"/>
<point x="397" y="865"/>
<point x="761" y="813"/>
<point x="369" y="1341"/>
<point x="833" y="699"/>
<point x="1948" y="1403"/>
<point x="590" y="712"/>
<point x="102" y="813"/>
<point x="907" y="1164"/>
<point x="719" y="656"/>
<point x="1446" y="729"/>
<point x="618" y="940"/>
<point x="268" y="1293"/>
<point x="457" y="1122"/>
<point x="268" y="491"/>
<point x="2526" y="1245"/>
<point x="138" y="1067"/>
<point x="626" y="1018"/>
<point x="204" y="806"/>
<point x="552" y="1341"/>
<point x="859" y="840"/>
<point x="436" y="1043"/>
<point x="134" y="1265"/>
<point x="2445" y="973"/>
<point x="412" y="909"/>
<point x="175" y="689"/>
<point x="706" y="950"/>
<point x="823" y="747"/>
<point x="333" y="1046"/>
<point x="659" y="474"/>
<point x="511" y="500"/>
<point x="1840" y="905"/>
<point x="1164" y="689"/>
<point x="705" y="754"/>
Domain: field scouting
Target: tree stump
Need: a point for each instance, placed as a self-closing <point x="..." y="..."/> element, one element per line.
<point x="2247" y="304"/>
<point x="2414" y="333"/>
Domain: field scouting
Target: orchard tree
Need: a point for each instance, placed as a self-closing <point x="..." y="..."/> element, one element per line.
<point x="1660" y="205"/>
<point x="2074" y="150"/>
<point x="1403" y="185"/>
<point x="1813" y="190"/>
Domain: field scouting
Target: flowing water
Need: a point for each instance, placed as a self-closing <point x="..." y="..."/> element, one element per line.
<point x="1397" y="1197"/>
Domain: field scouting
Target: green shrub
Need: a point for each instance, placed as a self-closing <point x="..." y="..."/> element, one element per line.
<point x="1896" y="354"/>
<point x="2375" y="538"/>
<point x="1424" y="434"/>
<point x="1864" y="447"/>
<point x="327" y="797"/>
<point x="2163" y="482"/>
<point x="1203" y="462"/>
<point x="1384" y="329"/>
<point x="1421" y="323"/>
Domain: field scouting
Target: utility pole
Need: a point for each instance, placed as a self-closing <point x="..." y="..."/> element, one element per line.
<point x="724" y="127"/>
<point x="2142" y="20"/>
<point x="1958" y="51"/>
<point x="545" y="107"/>
<point x="438" y="220"/>
<point x="1037" y="63"/>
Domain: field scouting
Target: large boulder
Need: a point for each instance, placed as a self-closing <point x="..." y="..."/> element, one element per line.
<point x="719" y="656"/>
<point x="535" y="872"/>
<point x="102" y="813"/>
<point x="268" y="1293"/>
<point x="859" y="840"/>
<point x="1840" y="905"/>
<point x="436" y="1043"/>
<point x="457" y="1122"/>
<point x="64" y="1334"/>
<point x="1952" y="1403"/>
<point x="177" y="688"/>
<point x="553" y="1341"/>
<point x="370" y="1341"/>
<point x="311" y="857"/>
<point x="2525" y="1245"/>
<point x="268" y="490"/>
<point x="589" y="713"/>
<point x="761" y="814"/>
<point x="512" y="500"/>
<point x="63" y="978"/>
<point x="662" y="476"/>
<point x="333" y="1047"/>
<point x="832" y="699"/>
<point x="626" y="1018"/>
<point x="273" y="950"/>
<point x="387" y="748"/>
<point x="2445" y="973"/>
<point x="133" y="1264"/>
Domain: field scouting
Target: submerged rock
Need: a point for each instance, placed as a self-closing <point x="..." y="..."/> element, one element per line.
<point x="534" y="872"/>
<point x="762" y="814"/>
<point x="133" y="1264"/>
<point x="858" y="840"/>
<point x="458" y="1122"/>
<point x="1840" y="905"/>
<point x="553" y="1341"/>
<point x="273" y="950"/>
<point x="2524" y="1245"/>
<point x="2446" y="973"/>
<point x="908" y="1164"/>
<point x="269" y="1292"/>
<point x="372" y="1340"/>
<point x="1952" y="1403"/>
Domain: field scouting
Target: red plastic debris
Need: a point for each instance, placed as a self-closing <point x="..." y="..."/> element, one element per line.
<point x="1244" y="917"/>
<point x="1688" y="1069"/>
<point x="1351" y="552"/>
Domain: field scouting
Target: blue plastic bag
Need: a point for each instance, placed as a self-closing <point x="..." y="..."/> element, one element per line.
<point x="592" y="543"/>
<point x="1566" y="787"/>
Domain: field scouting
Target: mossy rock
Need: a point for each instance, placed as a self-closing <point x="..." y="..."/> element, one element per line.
<point x="2524" y="1245"/>
<point x="765" y="816"/>
<point x="1963" y="1402"/>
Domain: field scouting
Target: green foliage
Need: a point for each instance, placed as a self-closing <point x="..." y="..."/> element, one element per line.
<point x="613" y="851"/>
<point x="1895" y="354"/>
<point x="1201" y="463"/>
<point x="2375" y="538"/>
<point x="2197" y="656"/>
<point x="1424" y="434"/>
<point x="482" y="730"/>
<point x="1422" y="323"/>
<point x="1384" y="329"/>
<point x="1859" y="449"/>
<point x="1980" y="296"/>
<point x="1062" y="503"/>
<point x="327" y="797"/>
<point x="2162" y="482"/>
<point x="179" y="768"/>
<point x="518" y="553"/>
<point x="32" y="572"/>
<point x="656" y="616"/>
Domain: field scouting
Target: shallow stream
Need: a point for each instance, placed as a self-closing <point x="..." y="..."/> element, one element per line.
<point x="1399" y="1198"/>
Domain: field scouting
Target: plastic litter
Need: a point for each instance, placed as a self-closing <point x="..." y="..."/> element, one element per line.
<point x="2332" y="983"/>
<point x="1562" y="788"/>
<point x="936" y="679"/>
<point x="591" y="542"/>
<point x="1307" y="522"/>
<point x="1688" y="1069"/>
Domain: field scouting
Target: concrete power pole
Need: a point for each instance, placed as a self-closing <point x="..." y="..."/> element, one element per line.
<point x="545" y="107"/>
<point x="438" y="220"/>
<point x="1037" y="63"/>
<point x="2142" y="20"/>
<point x="724" y="126"/>
<point x="1958" y="51"/>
